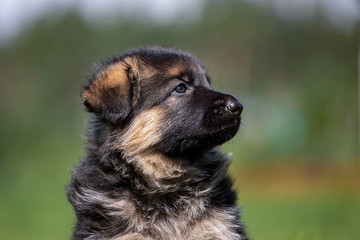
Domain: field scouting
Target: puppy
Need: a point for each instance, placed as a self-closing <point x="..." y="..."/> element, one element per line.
<point x="152" y="169"/>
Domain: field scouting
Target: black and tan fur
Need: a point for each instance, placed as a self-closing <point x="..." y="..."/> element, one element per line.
<point x="152" y="169"/>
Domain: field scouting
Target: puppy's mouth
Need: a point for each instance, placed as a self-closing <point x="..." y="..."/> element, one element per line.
<point x="223" y="133"/>
<point x="202" y="142"/>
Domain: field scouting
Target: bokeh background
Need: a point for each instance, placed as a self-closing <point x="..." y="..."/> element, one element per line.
<point x="292" y="63"/>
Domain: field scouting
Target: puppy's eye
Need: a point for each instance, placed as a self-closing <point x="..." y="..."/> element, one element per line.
<point x="181" y="88"/>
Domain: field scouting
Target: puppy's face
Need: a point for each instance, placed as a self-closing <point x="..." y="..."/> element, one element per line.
<point x="160" y="99"/>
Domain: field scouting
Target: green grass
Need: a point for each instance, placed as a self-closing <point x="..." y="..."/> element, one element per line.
<point x="327" y="218"/>
<point x="35" y="211"/>
<point x="33" y="176"/>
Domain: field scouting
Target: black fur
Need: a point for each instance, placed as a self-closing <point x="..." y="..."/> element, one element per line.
<point x="191" y="127"/>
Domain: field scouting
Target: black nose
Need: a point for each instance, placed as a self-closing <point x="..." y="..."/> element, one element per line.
<point x="234" y="107"/>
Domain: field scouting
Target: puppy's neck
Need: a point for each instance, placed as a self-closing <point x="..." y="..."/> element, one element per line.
<point x="159" y="172"/>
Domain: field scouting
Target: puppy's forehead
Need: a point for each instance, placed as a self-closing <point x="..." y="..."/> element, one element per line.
<point x="157" y="63"/>
<point x="168" y="62"/>
<point x="185" y="68"/>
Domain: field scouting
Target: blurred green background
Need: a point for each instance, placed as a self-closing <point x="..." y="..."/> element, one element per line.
<point x="293" y="66"/>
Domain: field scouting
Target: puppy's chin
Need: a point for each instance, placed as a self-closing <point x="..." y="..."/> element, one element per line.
<point x="219" y="136"/>
<point x="200" y="143"/>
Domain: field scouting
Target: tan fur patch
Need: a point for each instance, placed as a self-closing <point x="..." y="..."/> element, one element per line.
<point x="131" y="236"/>
<point x="147" y="71"/>
<point x="125" y="205"/>
<point x="218" y="226"/>
<point x="175" y="70"/>
<point x="143" y="133"/>
<point x="115" y="76"/>
<point x="176" y="228"/>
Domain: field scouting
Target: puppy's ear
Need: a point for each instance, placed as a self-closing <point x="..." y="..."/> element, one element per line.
<point x="109" y="92"/>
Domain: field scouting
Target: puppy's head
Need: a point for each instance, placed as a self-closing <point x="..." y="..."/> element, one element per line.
<point x="160" y="100"/>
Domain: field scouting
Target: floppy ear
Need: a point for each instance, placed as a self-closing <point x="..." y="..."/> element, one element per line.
<point x="109" y="92"/>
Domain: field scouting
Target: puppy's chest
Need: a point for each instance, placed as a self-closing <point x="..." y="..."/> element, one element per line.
<point x="186" y="218"/>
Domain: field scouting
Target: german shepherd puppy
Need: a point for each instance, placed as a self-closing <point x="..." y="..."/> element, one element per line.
<point x="152" y="169"/>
